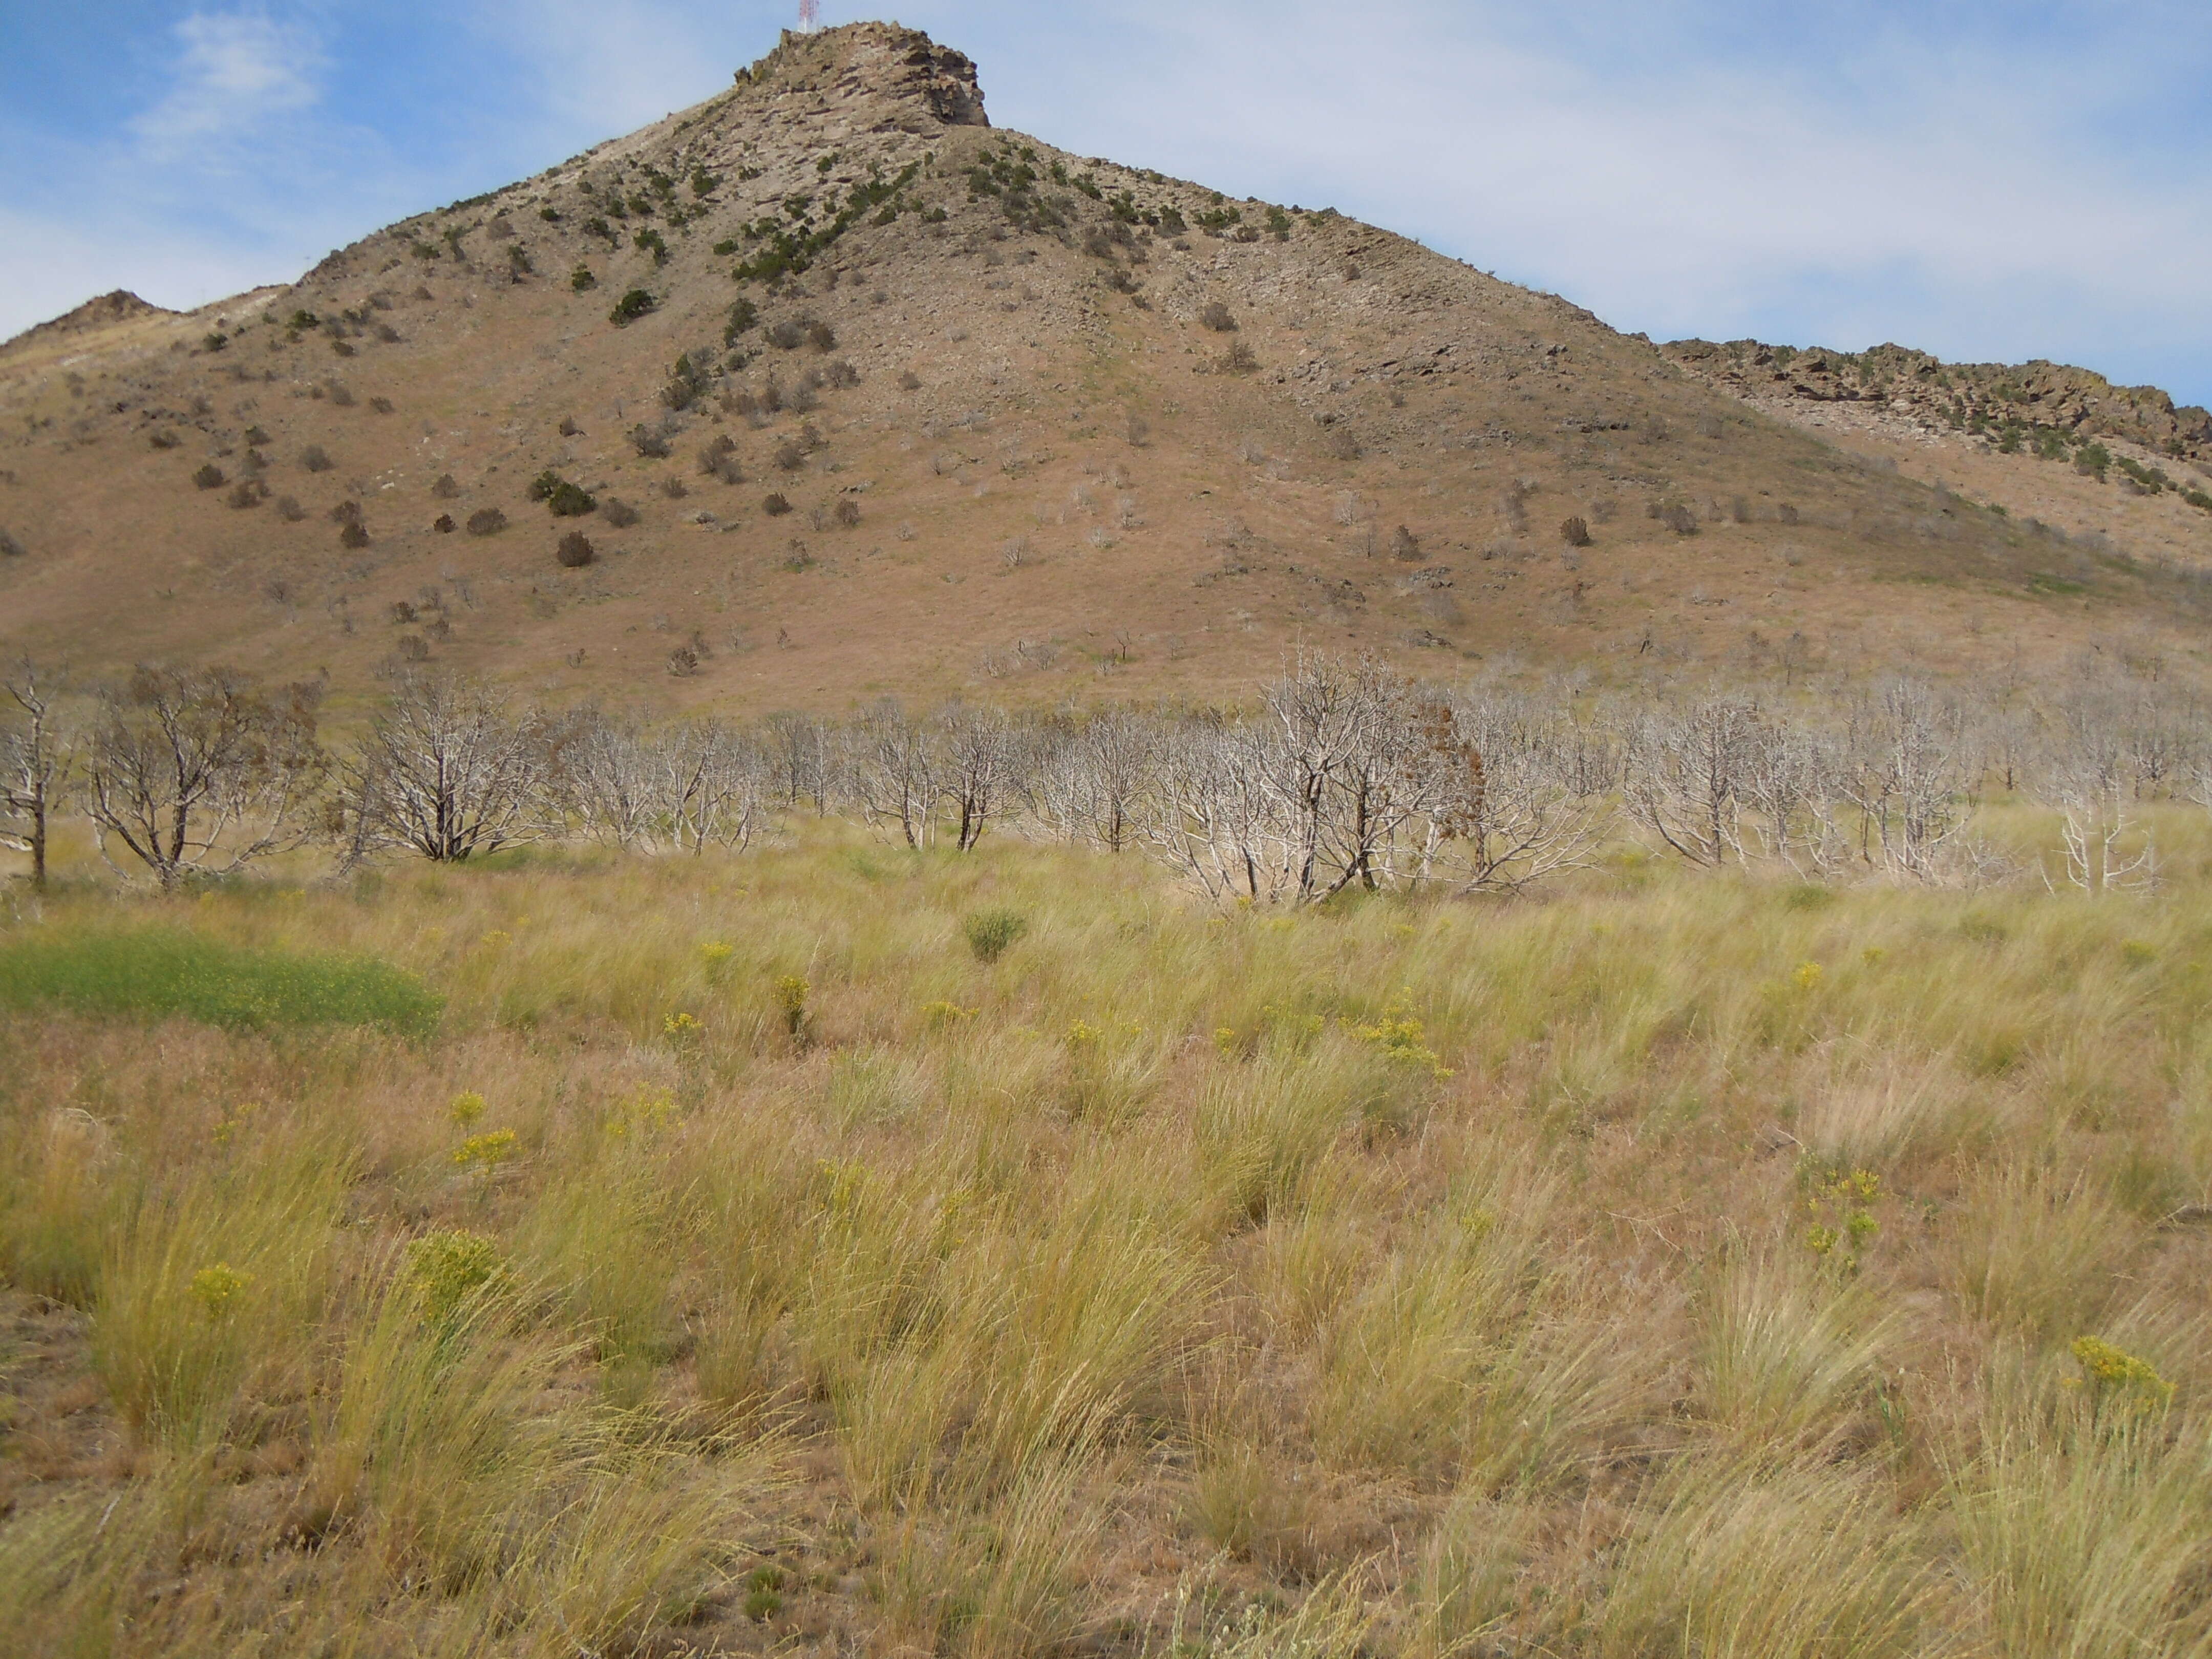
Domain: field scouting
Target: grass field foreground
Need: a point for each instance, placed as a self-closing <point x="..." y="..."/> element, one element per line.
<point x="784" y="1250"/>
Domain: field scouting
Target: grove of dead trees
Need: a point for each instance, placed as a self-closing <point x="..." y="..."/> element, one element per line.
<point x="1340" y="776"/>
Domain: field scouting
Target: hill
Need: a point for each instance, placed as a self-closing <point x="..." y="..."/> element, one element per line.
<point x="1038" y="420"/>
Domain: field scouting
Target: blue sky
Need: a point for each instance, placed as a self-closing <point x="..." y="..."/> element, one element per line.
<point x="1985" y="180"/>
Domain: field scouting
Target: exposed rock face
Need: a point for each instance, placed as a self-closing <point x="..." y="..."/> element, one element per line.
<point x="1914" y="387"/>
<point x="109" y="309"/>
<point x="934" y="84"/>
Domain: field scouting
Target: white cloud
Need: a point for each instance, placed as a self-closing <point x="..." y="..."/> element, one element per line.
<point x="2007" y="203"/>
<point x="235" y="72"/>
<point x="608" y="67"/>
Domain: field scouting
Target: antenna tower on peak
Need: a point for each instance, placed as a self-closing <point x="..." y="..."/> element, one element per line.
<point x="809" y="15"/>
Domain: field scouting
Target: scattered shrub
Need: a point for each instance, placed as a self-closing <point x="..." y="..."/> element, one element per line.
<point x="255" y="434"/>
<point x="443" y="524"/>
<point x="1239" y="359"/>
<point x="713" y="455"/>
<point x="315" y="459"/>
<point x="848" y="513"/>
<point x="568" y="429"/>
<point x="446" y="488"/>
<point x="446" y="1269"/>
<point x="621" y="514"/>
<point x="776" y="506"/>
<point x="1575" y="532"/>
<point x="821" y="336"/>
<point x="789" y="456"/>
<point x="684" y="662"/>
<point x="564" y="499"/>
<point x="1216" y="316"/>
<point x="162" y="439"/>
<point x="631" y="306"/>
<point x="842" y="374"/>
<point x="355" y="534"/>
<point x="341" y="396"/>
<point x="580" y="280"/>
<point x="209" y="477"/>
<point x="786" y="336"/>
<point x="744" y="317"/>
<point x="909" y="381"/>
<point x="381" y="405"/>
<point x="250" y="492"/>
<point x="9" y="547"/>
<point x="991" y="933"/>
<point x="575" y="550"/>
<point x="687" y="383"/>
<point x="487" y="521"/>
<point x="649" y="442"/>
<point x="1405" y="544"/>
<point x="289" y="510"/>
<point x="1676" y="516"/>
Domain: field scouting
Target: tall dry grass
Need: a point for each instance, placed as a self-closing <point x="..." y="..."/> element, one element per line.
<point x="1680" y="1265"/>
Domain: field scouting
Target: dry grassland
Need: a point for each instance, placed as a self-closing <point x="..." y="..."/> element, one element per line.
<point x="1686" y="1264"/>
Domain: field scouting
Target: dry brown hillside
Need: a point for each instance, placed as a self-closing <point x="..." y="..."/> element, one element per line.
<point x="1039" y="420"/>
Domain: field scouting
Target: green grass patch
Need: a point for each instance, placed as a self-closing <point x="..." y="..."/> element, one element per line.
<point x="156" y="974"/>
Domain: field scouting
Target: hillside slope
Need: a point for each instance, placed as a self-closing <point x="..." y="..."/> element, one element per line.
<point x="1039" y="420"/>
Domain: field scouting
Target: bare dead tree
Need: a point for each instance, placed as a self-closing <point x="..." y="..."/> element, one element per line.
<point x="200" y="772"/>
<point x="799" y="748"/>
<point x="1327" y="730"/>
<point x="1090" y="776"/>
<point x="976" y="749"/>
<point x="1685" y="776"/>
<point x="36" y="759"/>
<point x="1217" y="815"/>
<point x="1511" y="808"/>
<point x="707" y="785"/>
<point x="1788" y="788"/>
<point x="446" y="773"/>
<point x="2091" y="777"/>
<point x="1908" y="778"/>
<point x="608" y="777"/>
<point x="894" y="772"/>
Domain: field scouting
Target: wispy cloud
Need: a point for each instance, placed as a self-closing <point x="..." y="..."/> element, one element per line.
<point x="606" y="67"/>
<point x="1955" y="180"/>
<point x="235" y="74"/>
